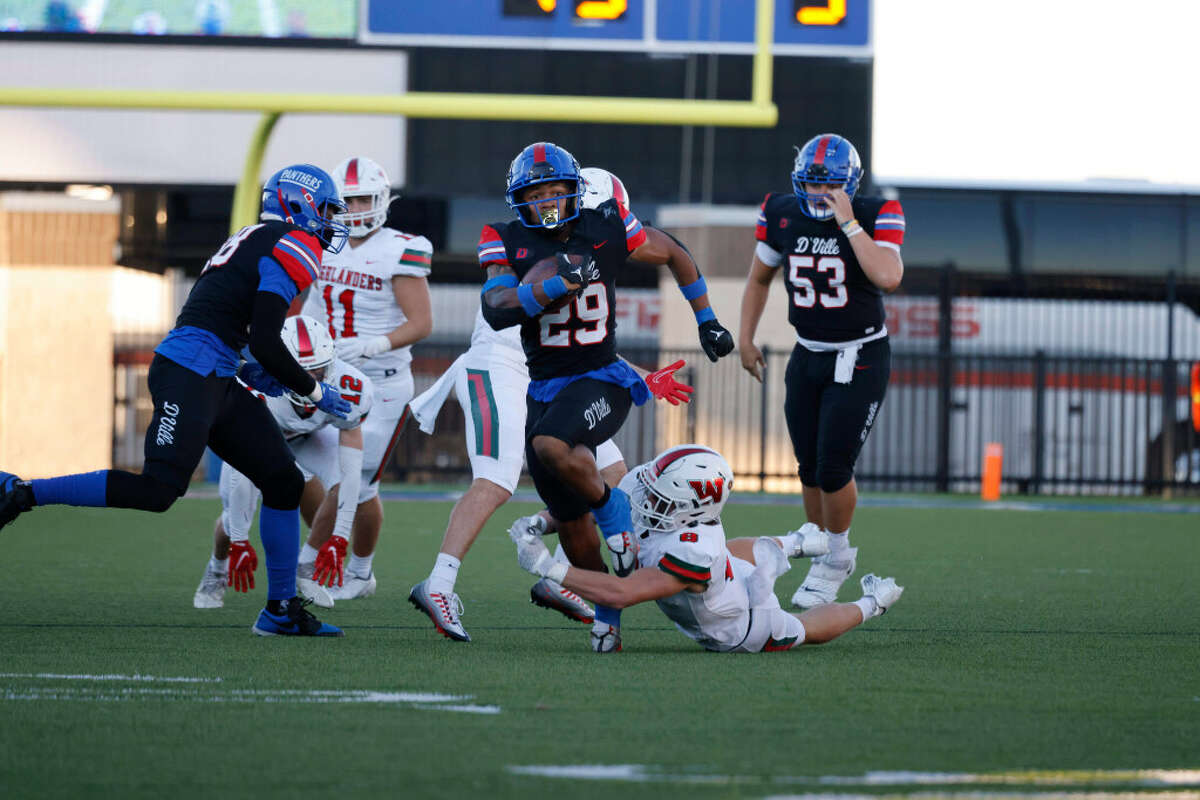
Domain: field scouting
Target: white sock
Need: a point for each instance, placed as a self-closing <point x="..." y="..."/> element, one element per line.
<point x="360" y="565"/>
<point x="868" y="607"/>
<point x="839" y="543"/>
<point x="220" y="565"/>
<point x="308" y="554"/>
<point x="444" y="574"/>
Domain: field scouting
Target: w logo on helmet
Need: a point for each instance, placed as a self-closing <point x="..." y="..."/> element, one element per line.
<point x="712" y="490"/>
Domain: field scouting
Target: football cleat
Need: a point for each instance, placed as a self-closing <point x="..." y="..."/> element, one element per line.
<point x="295" y="620"/>
<point x="354" y="586"/>
<point x="606" y="638"/>
<point x="811" y="541"/>
<point x="824" y="578"/>
<point x="443" y="610"/>
<point x="211" y="591"/>
<point x="883" y="590"/>
<point x="556" y="597"/>
<point x="311" y="590"/>
<point x="16" y="496"/>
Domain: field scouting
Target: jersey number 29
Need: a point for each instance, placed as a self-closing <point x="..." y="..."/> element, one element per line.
<point x="590" y="308"/>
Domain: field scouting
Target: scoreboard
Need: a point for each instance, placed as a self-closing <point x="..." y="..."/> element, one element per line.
<point x="802" y="27"/>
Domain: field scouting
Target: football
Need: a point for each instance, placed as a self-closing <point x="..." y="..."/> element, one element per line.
<point x="548" y="268"/>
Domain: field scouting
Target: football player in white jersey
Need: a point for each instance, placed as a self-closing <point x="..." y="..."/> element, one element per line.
<point x="719" y="593"/>
<point x="327" y="448"/>
<point x="490" y="382"/>
<point x="374" y="297"/>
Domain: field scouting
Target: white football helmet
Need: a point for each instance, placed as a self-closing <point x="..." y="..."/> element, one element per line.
<point x="600" y="185"/>
<point x="311" y="345"/>
<point x="362" y="177"/>
<point x="686" y="485"/>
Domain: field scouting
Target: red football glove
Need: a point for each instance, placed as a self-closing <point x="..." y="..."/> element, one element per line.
<point x="330" y="560"/>
<point x="242" y="563"/>
<point x="664" y="386"/>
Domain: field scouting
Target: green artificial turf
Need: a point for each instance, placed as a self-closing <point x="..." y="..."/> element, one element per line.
<point x="1024" y="641"/>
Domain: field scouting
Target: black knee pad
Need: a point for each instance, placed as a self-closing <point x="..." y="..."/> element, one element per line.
<point x="283" y="489"/>
<point x="832" y="478"/>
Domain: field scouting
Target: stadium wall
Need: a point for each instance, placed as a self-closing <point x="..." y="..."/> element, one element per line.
<point x="55" y="331"/>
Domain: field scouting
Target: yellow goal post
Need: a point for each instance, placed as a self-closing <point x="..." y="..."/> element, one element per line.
<point x="757" y="112"/>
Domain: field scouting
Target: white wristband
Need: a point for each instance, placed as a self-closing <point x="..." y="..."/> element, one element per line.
<point x="316" y="394"/>
<point x="557" y="572"/>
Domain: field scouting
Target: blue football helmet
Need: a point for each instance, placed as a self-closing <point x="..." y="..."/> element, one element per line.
<point x="306" y="196"/>
<point x="827" y="158"/>
<point x="544" y="162"/>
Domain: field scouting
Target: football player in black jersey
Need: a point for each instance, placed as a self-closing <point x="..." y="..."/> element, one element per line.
<point x="839" y="254"/>
<point x="579" y="392"/>
<point x="240" y="298"/>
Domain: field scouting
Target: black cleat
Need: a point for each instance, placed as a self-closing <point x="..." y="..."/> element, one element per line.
<point x="16" y="496"/>
<point x="293" y="619"/>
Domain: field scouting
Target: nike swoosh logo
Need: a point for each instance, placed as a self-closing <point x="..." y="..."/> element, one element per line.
<point x="598" y="246"/>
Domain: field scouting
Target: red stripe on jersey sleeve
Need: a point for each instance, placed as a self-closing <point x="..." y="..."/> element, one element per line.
<point x="889" y="223"/>
<point x="491" y="249"/>
<point x="299" y="255"/>
<point x="635" y="235"/>
<point x="760" y="227"/>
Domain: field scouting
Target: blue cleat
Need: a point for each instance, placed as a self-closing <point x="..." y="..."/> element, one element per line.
<point x="16" y="496"/>
<point x="294" y="620"/>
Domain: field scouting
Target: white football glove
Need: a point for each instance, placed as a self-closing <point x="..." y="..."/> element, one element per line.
<point x="624" y="553"/>
<point x="534" y="557"/>
<point x="360" y="348"/>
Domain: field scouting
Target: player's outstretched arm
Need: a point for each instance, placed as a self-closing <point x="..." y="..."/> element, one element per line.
<point x="662" y="248"/>
<point x="598" y="587"/>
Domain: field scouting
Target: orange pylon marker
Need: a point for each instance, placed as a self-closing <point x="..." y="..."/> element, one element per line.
<point x="993" y="463"/>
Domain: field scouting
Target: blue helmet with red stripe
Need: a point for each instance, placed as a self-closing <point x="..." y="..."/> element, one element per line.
<point x="825" y="159"/>
<point x="307" y="197"/>
<point x="543" y="162"/>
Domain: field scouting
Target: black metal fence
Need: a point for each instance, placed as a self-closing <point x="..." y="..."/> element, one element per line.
<point x="1087" y="389"/>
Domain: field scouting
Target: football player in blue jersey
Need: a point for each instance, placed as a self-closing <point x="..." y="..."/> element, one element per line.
<point x="579" y="391"/>
<point x="240" y="298"/>
<point x="840" y="253"/>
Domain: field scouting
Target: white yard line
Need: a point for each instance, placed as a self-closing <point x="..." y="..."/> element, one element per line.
<point x="647" y="773"/>
<point x="139" y="678"/>
<point x="432" y="701"/>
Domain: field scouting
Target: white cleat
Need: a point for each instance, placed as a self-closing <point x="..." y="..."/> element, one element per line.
<point x="556" y="597"/>
<point x="443" y="611"/>
<point x="309" y="589"/>
<point x="885" y="591"/>
<point x="824" y="578"/>
<point x="354" y="586"/>
<point x="811" y="541"/>
<point x="211" y="591"/>
<point x="606" y="638"/>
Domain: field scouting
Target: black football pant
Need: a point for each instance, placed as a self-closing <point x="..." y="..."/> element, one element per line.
<point x="829" y="422"/>
<point x="191" y="412"/>
<point x="587" y="412"/>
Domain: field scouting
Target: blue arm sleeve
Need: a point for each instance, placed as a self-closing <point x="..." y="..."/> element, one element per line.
<point x="273" y="278"/>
